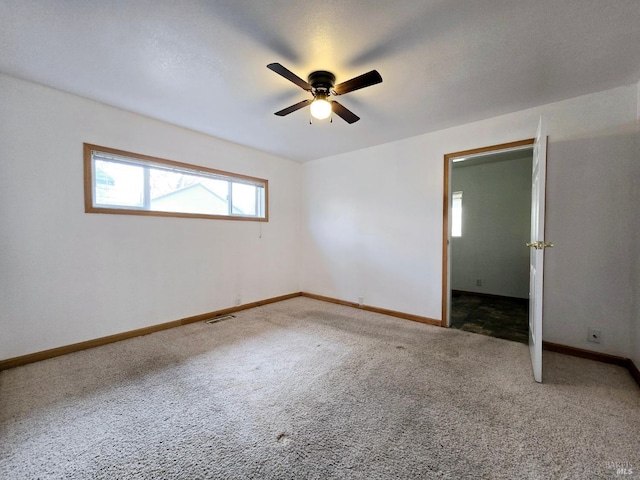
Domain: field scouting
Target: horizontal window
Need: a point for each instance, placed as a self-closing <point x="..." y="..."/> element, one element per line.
<point x="130" y="183"/>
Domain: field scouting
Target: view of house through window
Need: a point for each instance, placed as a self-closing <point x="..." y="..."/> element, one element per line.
<point x="456" y="214"/>
<point x="139" y="184"/>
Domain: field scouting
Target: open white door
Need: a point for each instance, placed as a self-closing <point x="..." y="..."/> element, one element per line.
<point x="537" y="246"/>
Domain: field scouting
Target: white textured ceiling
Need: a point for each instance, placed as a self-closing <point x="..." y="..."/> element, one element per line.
<point x="202" y="64"/>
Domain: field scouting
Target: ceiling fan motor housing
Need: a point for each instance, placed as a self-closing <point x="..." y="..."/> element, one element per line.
<point x="321" y="81"/>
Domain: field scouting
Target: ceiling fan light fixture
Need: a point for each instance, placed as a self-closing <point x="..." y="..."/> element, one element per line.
<point x="320" y="107"/>
<point x="321" y="84"/>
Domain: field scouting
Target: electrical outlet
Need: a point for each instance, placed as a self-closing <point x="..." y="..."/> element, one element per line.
<point x="238" y="301"/>
<point x="594" y="336"/>
<point x="361" y="301"/>
<point x="479" y="282"/>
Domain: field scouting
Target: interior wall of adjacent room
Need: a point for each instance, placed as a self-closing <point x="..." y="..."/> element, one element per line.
<point x="372" y="219"/>
<point x="496" y="221"/>
<point x="68" y="276"/>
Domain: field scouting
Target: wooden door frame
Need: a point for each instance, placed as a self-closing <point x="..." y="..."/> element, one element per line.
<point x="445" y="211"/>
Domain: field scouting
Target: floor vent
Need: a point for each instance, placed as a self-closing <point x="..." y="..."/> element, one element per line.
<point x="219" y="319"/>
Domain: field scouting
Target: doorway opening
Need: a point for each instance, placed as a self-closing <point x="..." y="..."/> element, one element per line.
<point x="487" y="223"/>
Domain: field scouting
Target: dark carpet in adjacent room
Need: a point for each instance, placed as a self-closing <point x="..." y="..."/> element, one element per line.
<point x="500" y="317"/>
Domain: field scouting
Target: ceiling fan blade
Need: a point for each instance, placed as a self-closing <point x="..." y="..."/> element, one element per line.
<point x="344" y="113"/>
<point x="293" y="108"/>
<point x="289" y="75"/>
<point x="364" y="80"/>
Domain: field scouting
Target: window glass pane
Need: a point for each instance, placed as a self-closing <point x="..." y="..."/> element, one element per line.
<point x="118" y="184"/>
<point x="245" y="198"/>
<point x="456" y="214"/>
<point x="181" y="192"/>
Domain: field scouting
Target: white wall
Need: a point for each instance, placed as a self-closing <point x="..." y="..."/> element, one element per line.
<point x="496" y="216"/>
<point x="635" y="319"/>
<point x="372" y="219"/>
<point x="67" y="276"/>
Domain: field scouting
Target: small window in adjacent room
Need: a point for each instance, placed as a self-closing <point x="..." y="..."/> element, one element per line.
<point x="129" y="183"/>
<point x="456" y="214"/>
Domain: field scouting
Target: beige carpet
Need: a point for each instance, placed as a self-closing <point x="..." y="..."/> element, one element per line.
<point x="304" y="389"/>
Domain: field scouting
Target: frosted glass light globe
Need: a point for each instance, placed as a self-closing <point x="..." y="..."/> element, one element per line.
<point x="320" y="109"/>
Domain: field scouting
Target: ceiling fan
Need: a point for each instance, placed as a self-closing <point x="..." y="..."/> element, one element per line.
<point x="321" y="84"/>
